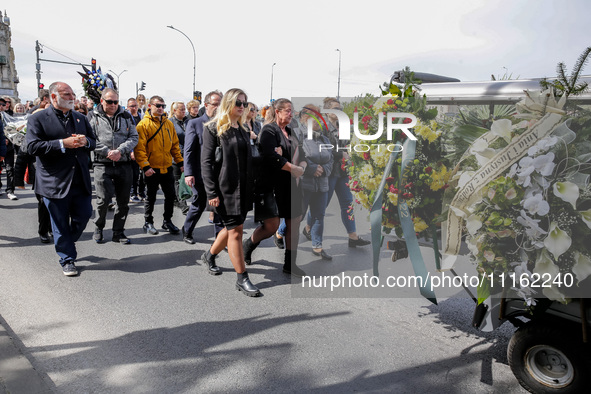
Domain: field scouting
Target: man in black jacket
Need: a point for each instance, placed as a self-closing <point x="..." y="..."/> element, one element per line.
<point x="61" y="139"/>
<point x="192" y="156"/>
<point x="116" y="137"/>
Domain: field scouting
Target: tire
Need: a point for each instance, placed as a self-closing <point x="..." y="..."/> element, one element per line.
<point x="546" y="358"/>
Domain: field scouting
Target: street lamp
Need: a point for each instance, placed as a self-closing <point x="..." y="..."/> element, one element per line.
<point x="339" y="81"/>
<point x="194" y="55"/>
<point x="118" y="75"/>
<point x="272" y="81"/>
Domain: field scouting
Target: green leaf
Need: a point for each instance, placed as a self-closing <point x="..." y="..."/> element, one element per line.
<point x="483" y="290"/>
<point x="395" y="90"/>
<point x="468" y="133"/>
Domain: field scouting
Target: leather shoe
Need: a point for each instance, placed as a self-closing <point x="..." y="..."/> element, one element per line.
<point x="188" y="238"/>
<point x="121" y="238"/>
<point x="278" y="241"/>
<point x="45" y="238"/>
<point x="171" y="228"/>
<point x="358" y="242"/>
<point x="150" y="229"/>
<point x="323" y="254"/>
<point x="307" y="234"/>
<point x="98" y="235"/>
<point x="246" y="286"/>
<point x="209" y="262"/>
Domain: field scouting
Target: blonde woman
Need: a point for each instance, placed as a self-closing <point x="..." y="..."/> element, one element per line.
<point x="228" y="183"/>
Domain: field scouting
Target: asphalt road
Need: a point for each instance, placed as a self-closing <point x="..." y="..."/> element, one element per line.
<point x="147" y="318"/>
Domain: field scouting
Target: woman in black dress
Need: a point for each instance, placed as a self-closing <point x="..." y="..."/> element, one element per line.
<point x="280" y="188"/>
<point x="226" y="167"/>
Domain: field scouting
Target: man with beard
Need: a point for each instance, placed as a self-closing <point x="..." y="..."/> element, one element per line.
<point x="116" y="137"/>
<point x="61" y="138"/>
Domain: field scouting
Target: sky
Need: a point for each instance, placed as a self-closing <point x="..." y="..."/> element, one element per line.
<point x="237" y="42"/>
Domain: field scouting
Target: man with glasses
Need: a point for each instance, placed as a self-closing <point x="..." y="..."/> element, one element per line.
<point x="116" y="137"/>
<point x="158" y="145"/>
<point x="192" y="153"/>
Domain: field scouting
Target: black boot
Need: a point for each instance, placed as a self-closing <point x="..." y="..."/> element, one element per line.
<point x="248" y="247"/>
<point x="289" y="264"/>
<point x="244" y="285"/>
<point x="209" y="261"/>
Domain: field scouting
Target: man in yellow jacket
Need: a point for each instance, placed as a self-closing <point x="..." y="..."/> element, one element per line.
<point x="157" y="147"/>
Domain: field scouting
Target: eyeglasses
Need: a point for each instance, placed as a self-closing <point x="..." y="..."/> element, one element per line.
<point x="159" y="105"/>
<point x="243" y="104"/>
<point x="111" y="102"/>
<point x="132" y="106"/>
<point x="253" y="110"/>
<point x="2" y="104"/>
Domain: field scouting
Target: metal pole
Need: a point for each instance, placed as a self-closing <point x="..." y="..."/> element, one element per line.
<point x="38" y="65"/>
<point x="339" y="84"/>
<point x="272" y="81"/>
<point x="118" y="86"/>
<point x="194" y="56"/>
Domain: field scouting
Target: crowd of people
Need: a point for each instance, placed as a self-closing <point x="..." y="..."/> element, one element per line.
<point x="233" y="158"/>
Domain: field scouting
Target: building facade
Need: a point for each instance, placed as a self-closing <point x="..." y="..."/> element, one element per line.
<point x="8" y="76"/>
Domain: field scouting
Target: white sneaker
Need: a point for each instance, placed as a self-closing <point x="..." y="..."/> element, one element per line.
<point x="12" y="196"/>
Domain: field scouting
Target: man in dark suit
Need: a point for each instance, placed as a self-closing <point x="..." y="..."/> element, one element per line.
<point x="61" y="139"/>
<point x="192" y="156"/>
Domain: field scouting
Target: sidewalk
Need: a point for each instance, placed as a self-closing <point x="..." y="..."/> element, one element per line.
<point x="17" y="375"/>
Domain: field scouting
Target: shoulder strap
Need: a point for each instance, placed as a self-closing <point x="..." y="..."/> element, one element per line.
<point x="155" y="134"/>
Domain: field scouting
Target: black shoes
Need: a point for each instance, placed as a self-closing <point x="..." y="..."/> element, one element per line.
<point x="150" y="229"/>
<point x="307" y="234"/>
<point x="209" y="261"/>
<point x="45" y="238"/>
<point x="323" y="254"/>
<point x="358" y="242"/>
<point x="188" y="238"/>
<point x="121" y="238"/>
<point x="171" y="228"/>
<point x="278" y="241"/>
<point x="70" y="269"/>
<point x="289" y="264"/>
<point x="98" y="235"/>
<point x="244" y="285"/>
<point x="248" y="247"/>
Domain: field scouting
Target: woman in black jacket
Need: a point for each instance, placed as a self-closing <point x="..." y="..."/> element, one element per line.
<point x="227" y="175"/>
<point x="280" y="188"/>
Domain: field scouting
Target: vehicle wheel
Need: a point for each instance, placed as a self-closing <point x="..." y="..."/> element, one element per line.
<point x="547" y="359"/>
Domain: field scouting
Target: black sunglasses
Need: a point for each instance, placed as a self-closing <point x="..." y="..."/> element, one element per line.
<point x="241" y="103"/>
<point x="111" y="102"/>
<point x="159" y="105"/>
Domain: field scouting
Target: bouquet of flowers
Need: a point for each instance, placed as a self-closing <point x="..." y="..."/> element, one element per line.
<point x="528" y="226"/>
<point x="425" y="178"/>
<point x="94" y="82"/>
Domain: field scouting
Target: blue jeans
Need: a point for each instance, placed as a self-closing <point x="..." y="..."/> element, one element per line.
<point x="339" y="186"/>
<point x="69" y="216"/>
<point x="282" y="228"/>
<point x="316" y="201"/>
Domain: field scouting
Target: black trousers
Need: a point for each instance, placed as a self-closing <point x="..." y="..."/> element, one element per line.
<point x="153" y="182"/>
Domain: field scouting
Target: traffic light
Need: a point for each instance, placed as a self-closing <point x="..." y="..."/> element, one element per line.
<point x="197" y="95"/>
<point x="41" y="86"/>
<point x="93" y="63"/>
<point x="143" y="86"/>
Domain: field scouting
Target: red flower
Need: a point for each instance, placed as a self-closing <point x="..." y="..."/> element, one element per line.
<point x="366" y="156"/>
<point x="429" y="170"/>
<point x="390" y="179"/>
<point x="393" y="189"/>
<point x="355" y="109"/>
<point x="407" y="120"/>
<point x="365" y="119"/>
<point x="343" y="167"/>
<point x="390" y="102"/>
<point x="408" y="185"/>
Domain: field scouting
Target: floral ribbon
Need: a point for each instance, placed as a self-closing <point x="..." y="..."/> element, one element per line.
<point x="470" y="192"/>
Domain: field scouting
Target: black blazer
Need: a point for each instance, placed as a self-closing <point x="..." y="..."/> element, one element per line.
<point x="193" y="143"/>
<point x="223" y="180"/>
<point x="55" y="169"/>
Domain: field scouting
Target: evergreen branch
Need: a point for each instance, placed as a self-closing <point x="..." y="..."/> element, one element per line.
<point x="578" y="68"/>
